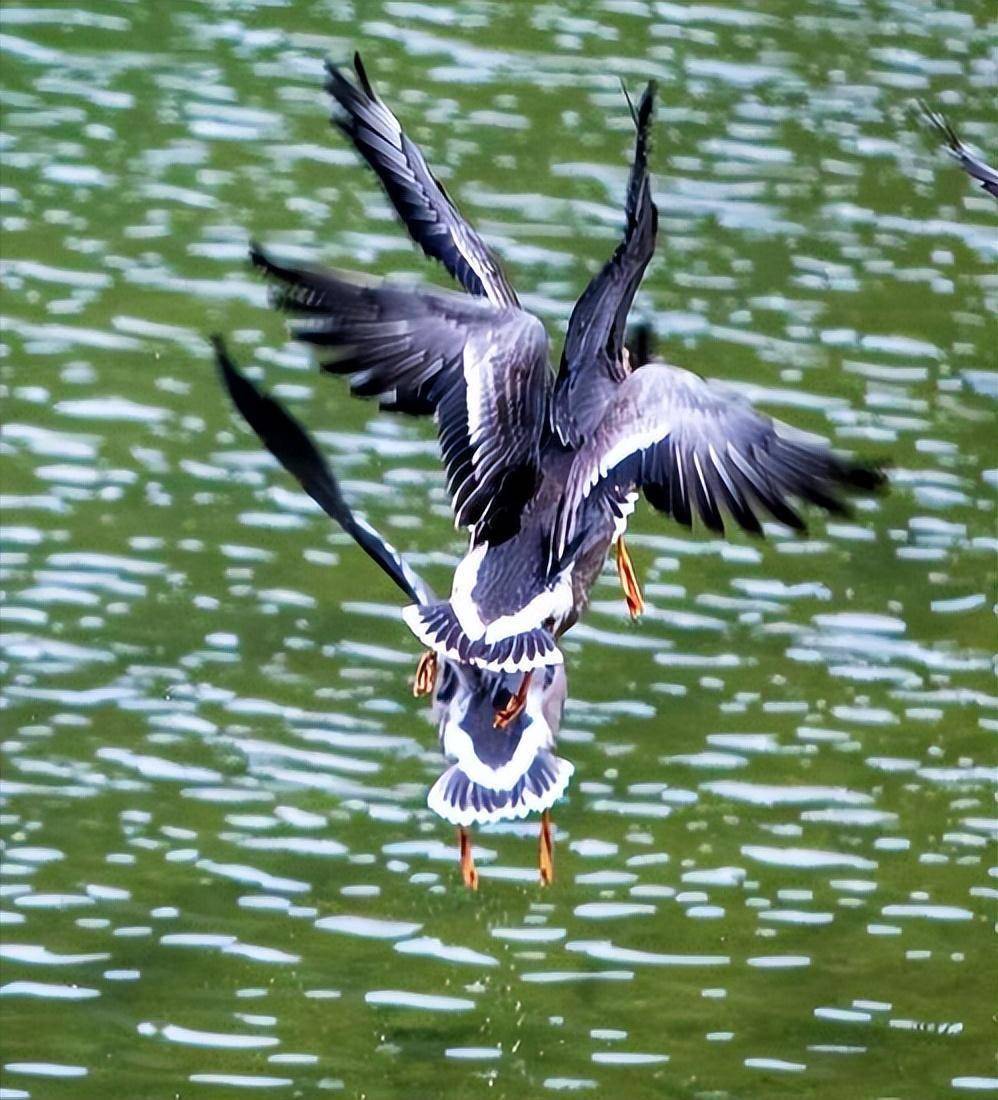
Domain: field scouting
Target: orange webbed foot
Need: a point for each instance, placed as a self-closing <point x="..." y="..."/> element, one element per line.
<point x="426" y="674"/>
<point x="468" y="870"/>
<point x="629" y="580"/>
<point x="516" y="703"/>
<point x="545" y="851"/>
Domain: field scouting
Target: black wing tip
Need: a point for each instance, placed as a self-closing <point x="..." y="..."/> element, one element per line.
<point x="866" y="477"/>
<point x="259" y="258"/>
<point x="341" y="88"/>
<point x="358" y="68"/>
<point x="641" y="115"/>
<point x="335" y="77"/>
<point x="224" y="362"/>
<point x="639" y="339"/>
<point x="752" y="527"/>
<point x="235" y="383"/>
<point x="783" y="513"/>
<point x="629" y="101"/>
<point x="646" y="104"/>
<point x="938" y="121"/>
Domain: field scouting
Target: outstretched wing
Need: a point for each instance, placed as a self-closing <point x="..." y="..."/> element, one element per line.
<point x="695" y="447"/>
<point x="985" y="175"/>
<point x="593" y="363"/>
<point x="433" y="221"/>
<point x="289" y="443"/>
<point x="483" y="372"/>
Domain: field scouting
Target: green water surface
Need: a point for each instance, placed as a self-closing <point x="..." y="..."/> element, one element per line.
<point x="219" y="874"/>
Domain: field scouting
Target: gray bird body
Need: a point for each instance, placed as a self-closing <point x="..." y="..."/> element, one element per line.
<point x="693" y="448"/>
<point x="508" y="593"/>
<point x="543" y="471"/>
<point x="479" y="364"/>
<point x="494" y="774"/>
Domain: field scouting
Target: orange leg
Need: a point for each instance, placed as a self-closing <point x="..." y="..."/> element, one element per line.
<point x="545" y="851"/>
<point x="628" y="581"/>
<point x="515" y="705"/>
<point x="468" y="872"/>
<point x="426" y="674"/>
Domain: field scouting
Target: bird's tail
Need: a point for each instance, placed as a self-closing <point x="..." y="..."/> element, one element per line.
<point x="437" y="626"/>
<point x="461" y="801"/>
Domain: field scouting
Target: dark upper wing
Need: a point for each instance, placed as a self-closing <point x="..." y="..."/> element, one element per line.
<point x="289" y="443"/>
<point x="696" y="447"/>
<point x="482" y="371"/>
<point x="592" y="363"/>
<point x="433" y="221"/>
<point x="986" y="176"/>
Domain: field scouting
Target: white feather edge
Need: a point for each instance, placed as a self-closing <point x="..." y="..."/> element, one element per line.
<point x="601" y="465"/>
<point x="529" y="803"/>
<point x="412" y="618"/>
<point x="629" y="445"/>
<point x="627" y="506"/>
<point x="459" y="748"/>
<point x="554" y="603"/>
<point x="473" y="365"/>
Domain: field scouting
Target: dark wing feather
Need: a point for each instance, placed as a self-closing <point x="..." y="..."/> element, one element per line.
<point x="639" y="341"/>
<point x="482" y="370"/>
<point x="695" y="448"/>
<point x="593" y="363"/>
<point x="985" y="175"/>
<point x="290" y="444"/>
<point x="432" y="220"/>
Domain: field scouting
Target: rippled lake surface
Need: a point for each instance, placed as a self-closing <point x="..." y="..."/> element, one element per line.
<point x="218" y="872"/>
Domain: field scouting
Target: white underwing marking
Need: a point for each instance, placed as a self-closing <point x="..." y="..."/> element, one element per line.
<point x="461" y="599"/>
<point x="700" y="477"/>
<point x="529" y="803"/>
<point x="552" y="603"/>
<point x="722" y="472"/>
<point x="459" y="746"/>
<point x="413" y="618"/>
<point x="627" y="507"/>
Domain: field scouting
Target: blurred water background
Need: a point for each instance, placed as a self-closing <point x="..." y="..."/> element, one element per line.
<point x="218" y="872"/>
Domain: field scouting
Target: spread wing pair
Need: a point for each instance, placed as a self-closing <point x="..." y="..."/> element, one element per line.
<point x="691" y="447"/>
<point x="543" y="475"/>
<point x="493" y="774"/>
<point x="480" y="364"/>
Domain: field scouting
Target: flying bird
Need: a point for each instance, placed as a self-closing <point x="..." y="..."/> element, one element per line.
<point x="492" y="774"/>
<point x="480" y="364"/>
<point x="544" y="472"/>
<point x="982" y="173"/>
